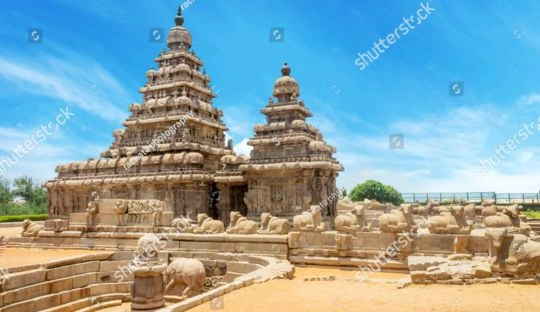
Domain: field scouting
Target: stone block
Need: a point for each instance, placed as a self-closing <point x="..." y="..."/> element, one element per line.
<point x="46" y="302"/>
<point x="71" y="270"/>
<point x="62" y="284"/>
<point x="21" y="279"/>
<point x="25" y="293"/>
<point x="24" y="306"/>
<point x="435" y="243"/>
<point x="366" y="240"/>
<point x="84" y="280"/>
<point x="112" y="266"/>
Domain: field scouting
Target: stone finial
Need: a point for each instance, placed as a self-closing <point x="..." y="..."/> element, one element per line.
<point x="179" y="20"/>
<point x="285" y="69"/>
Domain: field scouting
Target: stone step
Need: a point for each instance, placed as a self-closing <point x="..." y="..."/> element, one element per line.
<point x="230" y="277"/>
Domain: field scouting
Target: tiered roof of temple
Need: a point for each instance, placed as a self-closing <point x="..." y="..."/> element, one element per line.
<point x="172" y="148"/>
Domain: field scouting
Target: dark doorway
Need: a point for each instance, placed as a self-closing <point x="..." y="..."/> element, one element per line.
<point x="237" y="199"/>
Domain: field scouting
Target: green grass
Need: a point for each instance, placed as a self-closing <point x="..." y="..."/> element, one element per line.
<point x="533" y="214"/>
<point x="18" y="218"/>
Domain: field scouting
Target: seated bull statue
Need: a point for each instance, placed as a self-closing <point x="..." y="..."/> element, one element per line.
<point x="353" y="221"/>
<point x="509" y="218"/>
<point x="207" y="225"/>
<point x="309" y="221"/>
<point x="450" y="221"/>
<point x="398" y="220"/>
<point x="30" y="228"/>
<point x="241" y="225"/>
<point x="273" y="225"/>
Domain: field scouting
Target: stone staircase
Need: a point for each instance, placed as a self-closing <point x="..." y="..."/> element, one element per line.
<point x="85" y="283"/>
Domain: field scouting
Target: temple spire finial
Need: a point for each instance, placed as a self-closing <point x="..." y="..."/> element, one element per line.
<point x="179" y="20"/>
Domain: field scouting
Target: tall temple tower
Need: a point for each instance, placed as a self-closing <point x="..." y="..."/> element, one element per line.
<point x="291" y="166"/>
<point x="169" y="149"/>
<point x="172" y="154"/>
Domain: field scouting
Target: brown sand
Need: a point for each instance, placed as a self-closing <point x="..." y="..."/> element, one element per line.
<point x="346" y="294"/>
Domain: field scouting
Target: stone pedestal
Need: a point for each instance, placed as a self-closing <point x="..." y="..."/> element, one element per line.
<point x="148" y="288"/>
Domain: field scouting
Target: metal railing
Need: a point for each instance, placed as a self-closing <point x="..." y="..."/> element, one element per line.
<point x="477" y="197"/>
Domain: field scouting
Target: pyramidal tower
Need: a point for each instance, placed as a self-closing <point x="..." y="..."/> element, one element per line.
<point x="168" y="149"/>
<point x="171" y="160"/>
<point x="291" y="166"/>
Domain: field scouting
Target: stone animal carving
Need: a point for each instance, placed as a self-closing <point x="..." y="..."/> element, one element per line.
<point x="353" y="221"/>
<point x="30" y="228"/>
<point x="452" y="221"/>
<point x="398" y="220"/>
<point x="121" y="209"/>
<point x="273" y="225"/>
<point x="183" y="225"/>
<point x="148" y="247"/>
<point x="241" y="225"/>
<point x="187" y="272"/>
<point x="431" y="208"/>
<point x="523" y="255"/>
<point x="309" y="221"/>
<point x="508" y="218"/>
<point x="489" y="209"/>
<point x="207" y="225"/>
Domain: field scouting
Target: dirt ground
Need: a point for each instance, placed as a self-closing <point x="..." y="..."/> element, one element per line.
<point x="347" y="294"/>
<point x="378" y="293"/>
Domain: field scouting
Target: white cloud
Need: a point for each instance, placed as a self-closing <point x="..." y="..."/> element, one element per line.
<point x="64" y="81"/>
<point x="242" y="147"/>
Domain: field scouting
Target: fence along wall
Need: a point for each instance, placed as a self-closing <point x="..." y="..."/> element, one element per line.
<point x="501" y="198"/>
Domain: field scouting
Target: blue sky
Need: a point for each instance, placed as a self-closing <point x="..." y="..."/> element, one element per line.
<point x="93" y="55"/>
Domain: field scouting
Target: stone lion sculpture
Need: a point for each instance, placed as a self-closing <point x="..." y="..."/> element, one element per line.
<point x="207" y="225"/>
<point x="451" y="221"/>
<point x="398" y="220"/>
<point x="148" y="247"/>
<point x="187" y="272"/>
<point x="241" y="225"/>
<point x="273" y="225"/>
<point x="353" y="221"/>
<point x="309" y="221"/>
<point x="30" y="228"/>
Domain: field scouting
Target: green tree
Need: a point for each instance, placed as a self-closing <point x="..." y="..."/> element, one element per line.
<point x="5" y="192"/>
<point x="372" y="189"/>
<point x="32" y="193"/>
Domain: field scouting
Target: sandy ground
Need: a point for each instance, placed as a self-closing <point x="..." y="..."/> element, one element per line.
<point x="347" y="294"/>
<point x="343" y="294"/>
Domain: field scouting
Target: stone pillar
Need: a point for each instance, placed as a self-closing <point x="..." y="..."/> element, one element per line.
<point x="148" y="288"/>
<point x="224" y="205"/>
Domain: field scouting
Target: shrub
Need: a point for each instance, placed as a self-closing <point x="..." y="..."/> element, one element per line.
<point x="372" y="189"/>
<point x="19" y="218"/>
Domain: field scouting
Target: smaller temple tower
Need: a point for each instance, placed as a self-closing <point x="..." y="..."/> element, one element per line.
<point x="291" y="166"/>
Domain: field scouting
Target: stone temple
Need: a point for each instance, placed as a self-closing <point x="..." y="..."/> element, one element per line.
<point x="172" y="150"/>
